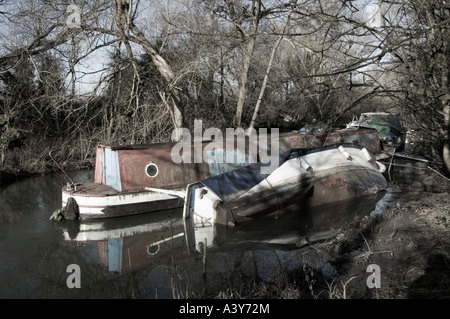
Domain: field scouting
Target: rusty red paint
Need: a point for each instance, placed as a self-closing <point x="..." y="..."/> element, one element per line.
<point x="170" y="175"/>
<point x="335" y="187"/>
<point x="367" y="138"/>
<point x="133" y="159"/>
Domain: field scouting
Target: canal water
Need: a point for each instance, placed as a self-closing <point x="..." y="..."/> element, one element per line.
<point x="155" y="256"/>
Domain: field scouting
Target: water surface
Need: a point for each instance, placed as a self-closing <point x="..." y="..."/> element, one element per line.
<point x="157" y="256"/>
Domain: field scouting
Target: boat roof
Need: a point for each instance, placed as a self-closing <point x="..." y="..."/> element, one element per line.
<point x="231" y="184"/>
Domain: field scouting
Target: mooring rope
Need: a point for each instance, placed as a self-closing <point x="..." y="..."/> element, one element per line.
<point x="59" y="166"/>
<point x="438" y="173"/>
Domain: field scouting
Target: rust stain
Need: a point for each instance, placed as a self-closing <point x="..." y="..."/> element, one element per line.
<point x="133" y="159"/>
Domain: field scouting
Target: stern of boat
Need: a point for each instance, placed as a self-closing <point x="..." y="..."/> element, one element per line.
<point x="200" y="205"/>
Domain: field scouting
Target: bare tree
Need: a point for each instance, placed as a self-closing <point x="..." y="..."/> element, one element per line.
<point x="246" y="18"/>
<point x="267" y="73"/>
<point x="417" y="40"/>
<point x="304" y="59"/>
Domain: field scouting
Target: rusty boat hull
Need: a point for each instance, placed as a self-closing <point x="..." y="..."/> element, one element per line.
<point x="136" y="179"/>
<point x="304" y="179"/>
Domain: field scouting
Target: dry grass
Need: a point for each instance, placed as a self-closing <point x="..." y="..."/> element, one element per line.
<point x="33" y="157"/>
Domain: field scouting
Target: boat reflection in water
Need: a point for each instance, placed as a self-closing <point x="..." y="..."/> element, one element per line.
<point x="133" y="243"/>
<point x="141" y="242"/>
<point x="292" y="229"/>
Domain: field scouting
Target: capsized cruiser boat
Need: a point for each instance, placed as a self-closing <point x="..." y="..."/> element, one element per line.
<point x="305" y="177"/>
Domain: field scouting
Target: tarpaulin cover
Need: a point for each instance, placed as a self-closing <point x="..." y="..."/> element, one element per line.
<point x="231" y="183"/>
<point x="387" y="125"/>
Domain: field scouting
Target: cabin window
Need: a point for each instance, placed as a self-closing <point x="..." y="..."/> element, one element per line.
<point x="151" y="170"/>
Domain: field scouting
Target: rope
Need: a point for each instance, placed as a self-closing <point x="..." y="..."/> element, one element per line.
<point x="59" y="166"/>
<point x="390" y="164"/>
<point x="438" y="173"/>
<point x="423" y="168"/>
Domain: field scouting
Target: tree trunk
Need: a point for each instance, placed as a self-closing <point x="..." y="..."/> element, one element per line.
<point x="162" y="66"/>
<point x="246" y="61"/>
<point x="446" y="146"/>
<point x="166" y="71"/>
<point x="248" y="45"/>
<point x="266" y="76"/>
<point x="263" y="87"/>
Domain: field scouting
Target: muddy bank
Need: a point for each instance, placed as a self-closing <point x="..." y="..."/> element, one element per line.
<point x="410" y="242"/>
<point x="407" y="237"/>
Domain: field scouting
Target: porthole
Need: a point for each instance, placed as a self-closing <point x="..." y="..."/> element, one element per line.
<point x="153" y="249"/>
<point x="151" y="170"/>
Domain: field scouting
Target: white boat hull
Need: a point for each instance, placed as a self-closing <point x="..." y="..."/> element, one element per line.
<point x="316" y="178"/>
<point x="119" y="204"/>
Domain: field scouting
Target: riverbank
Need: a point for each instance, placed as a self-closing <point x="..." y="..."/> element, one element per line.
<point x="408" y="238"/>
<point x="410" y="242"/>
<point x="39" y="160"/>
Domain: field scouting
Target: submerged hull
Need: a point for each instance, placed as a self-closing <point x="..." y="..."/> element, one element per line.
<point x="315" y="178"/>
<point x="285" y="231"/>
